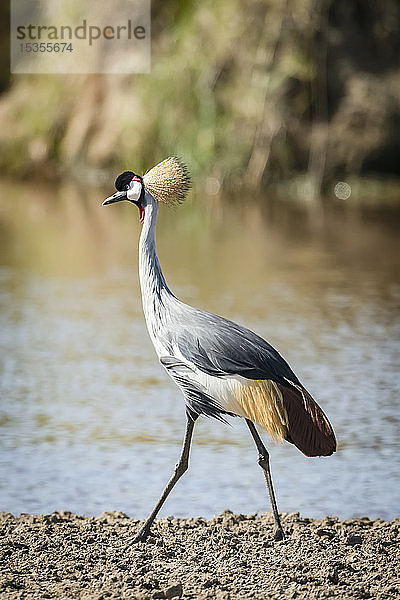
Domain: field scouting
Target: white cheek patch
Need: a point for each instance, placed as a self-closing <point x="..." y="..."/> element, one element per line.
<point x="133" y="194"/>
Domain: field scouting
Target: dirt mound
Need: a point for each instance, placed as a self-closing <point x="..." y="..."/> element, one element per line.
<point x="65" y="556"/>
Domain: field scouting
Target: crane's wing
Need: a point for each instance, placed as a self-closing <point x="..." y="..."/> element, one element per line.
<point x="220" y="347"/>
<point x="272" y="396"/>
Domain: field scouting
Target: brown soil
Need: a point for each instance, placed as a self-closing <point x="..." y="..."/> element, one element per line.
<point x="232" y="556"/>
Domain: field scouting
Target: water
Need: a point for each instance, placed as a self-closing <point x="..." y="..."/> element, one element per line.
<point x="90" y="422"/>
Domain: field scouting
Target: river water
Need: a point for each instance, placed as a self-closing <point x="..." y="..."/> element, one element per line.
<point x="90" y="422"/>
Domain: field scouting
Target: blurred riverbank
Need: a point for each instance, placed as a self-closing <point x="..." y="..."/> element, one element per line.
<point x="286" y="96"/>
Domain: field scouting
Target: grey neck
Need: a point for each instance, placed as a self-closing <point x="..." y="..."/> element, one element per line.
<point x="155" y="292"/>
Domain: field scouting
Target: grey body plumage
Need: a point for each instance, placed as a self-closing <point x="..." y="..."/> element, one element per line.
<point x="212" y="344"/>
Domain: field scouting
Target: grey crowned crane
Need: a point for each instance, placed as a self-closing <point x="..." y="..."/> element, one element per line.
<point x="222" y="368"/>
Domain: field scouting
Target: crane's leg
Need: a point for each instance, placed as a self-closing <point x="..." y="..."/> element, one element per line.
<point x="179" y="470"/>
<point x="263" y="461"/>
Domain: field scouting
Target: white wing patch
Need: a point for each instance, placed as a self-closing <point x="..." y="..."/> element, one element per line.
<point x="258" y="400"/>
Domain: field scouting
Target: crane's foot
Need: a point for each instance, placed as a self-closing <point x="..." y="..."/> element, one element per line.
<point x="141" y="535"/>
<point x="278" y="534"/>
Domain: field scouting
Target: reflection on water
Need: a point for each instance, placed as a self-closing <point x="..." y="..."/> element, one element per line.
<point x="89" y="421"/>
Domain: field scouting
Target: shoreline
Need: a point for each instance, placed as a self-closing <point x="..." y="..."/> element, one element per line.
<point x="231" y="556"/>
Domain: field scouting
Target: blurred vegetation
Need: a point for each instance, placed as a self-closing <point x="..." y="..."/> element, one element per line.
<point x="261" y="93"/>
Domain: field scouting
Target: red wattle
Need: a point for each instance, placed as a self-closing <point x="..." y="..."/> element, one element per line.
<point x="141" y="213"/>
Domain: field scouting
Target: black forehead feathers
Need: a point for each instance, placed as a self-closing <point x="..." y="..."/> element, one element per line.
<point x="123" y="179"/>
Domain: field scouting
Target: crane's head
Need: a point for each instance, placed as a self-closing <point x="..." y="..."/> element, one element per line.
<point x="130" y="187"/>
<point x="167" y="182"/>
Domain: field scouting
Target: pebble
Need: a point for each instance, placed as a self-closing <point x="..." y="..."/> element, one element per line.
<point x="354" y="540"/>
<point x="175" y="591"/>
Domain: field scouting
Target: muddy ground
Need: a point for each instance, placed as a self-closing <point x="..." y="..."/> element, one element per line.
<point x="64" y="556"/>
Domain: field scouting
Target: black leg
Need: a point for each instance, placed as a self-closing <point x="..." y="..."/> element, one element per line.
<point x="180" y="468"/>
<point x="263" y="461"/>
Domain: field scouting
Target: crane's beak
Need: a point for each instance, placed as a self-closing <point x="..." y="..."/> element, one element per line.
<point x="117" y="197"/>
